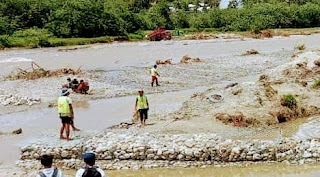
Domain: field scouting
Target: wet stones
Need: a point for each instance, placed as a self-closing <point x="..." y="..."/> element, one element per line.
<point x="16" y="100"/>
<point x="127" y="151"/>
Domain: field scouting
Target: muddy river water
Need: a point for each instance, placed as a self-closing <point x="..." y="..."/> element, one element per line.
<point x="254" y="170"/>
<point x="112" y="111"/>
<point x="113" y="56"/>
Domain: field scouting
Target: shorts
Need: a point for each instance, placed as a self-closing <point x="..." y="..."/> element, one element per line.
<point x="66" y="120"/>
<point x="154" y="78"/>
<point x="143" y="114"/>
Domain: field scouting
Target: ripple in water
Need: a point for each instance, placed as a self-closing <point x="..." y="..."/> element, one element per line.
<point x="16" y="60"/>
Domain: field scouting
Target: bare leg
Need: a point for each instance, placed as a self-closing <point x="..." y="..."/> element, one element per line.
<point x="74" y="128"/>
<point x="68" y="131"/>
<point x="61" y="131"/>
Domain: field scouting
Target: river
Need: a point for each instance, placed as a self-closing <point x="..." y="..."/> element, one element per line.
<point x="115" y="110"/>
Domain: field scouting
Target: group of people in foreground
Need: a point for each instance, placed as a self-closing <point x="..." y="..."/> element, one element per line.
<point x="89" y="170"/>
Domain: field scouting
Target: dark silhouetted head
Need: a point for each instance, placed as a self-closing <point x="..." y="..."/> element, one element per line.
<point x="89" y="158"/>
<point x="46" y="161"/>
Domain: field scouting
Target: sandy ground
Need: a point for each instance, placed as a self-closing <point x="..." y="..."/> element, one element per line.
<point x="116" y="71"/>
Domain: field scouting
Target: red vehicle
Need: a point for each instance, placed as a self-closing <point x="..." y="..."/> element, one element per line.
<point x="159" y="34"/>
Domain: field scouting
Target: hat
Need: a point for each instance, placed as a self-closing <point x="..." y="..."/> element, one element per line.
<point x="140" y="90"/>
<point x="89" y="155"/>
<point x="64" y="91"/>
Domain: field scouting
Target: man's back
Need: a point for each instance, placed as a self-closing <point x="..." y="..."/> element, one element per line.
<point x="82" y="171"/>
<point x="50" y="172"/>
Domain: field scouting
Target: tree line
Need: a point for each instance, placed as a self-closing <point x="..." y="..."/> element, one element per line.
<point x="94" y="18"/>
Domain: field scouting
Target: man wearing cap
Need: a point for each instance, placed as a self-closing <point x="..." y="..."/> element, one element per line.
<point x="142" y="106"/>
<point x="65" y="112"/>
<point x="90" y="170"/>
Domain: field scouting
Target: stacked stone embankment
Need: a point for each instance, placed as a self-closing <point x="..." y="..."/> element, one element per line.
<point x="128" y="151"/>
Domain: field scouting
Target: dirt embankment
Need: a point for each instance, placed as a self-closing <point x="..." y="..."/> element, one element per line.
<point x="287" y="92"/>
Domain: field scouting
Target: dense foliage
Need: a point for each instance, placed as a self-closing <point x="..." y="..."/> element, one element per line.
<point x="93" y="18"/>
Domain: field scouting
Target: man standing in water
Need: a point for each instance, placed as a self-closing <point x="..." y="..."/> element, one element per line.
<point x="66" y="113"/>
<point x="154" y="75"/>
<point x="142" y="106"/>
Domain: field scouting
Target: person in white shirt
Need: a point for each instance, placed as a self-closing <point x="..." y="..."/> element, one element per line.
<point x="154" y="75"/>
<point x="90" y="170"/>
<point x="48" y="170"/>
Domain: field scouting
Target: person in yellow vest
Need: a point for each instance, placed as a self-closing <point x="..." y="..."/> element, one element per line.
<point x="154" y="75"/>
<point x="66" y="113"/>
<point x="142" y="106"/>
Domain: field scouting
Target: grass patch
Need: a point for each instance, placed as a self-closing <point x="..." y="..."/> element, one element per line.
<point x="289" y="101"/>
<point x="34" y="38"/>
<point x="137" y="36"/>
<point x="316" y="84"/>
<point x="300" y="47"/>
<point x="55" y="42"/>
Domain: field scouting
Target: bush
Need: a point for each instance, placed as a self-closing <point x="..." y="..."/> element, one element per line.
<point x="180" y="19"/>
<point x="138" y="35"/>
<point x="55" y="42"/>
<point x="289" y="101"/>
<point x="31" y="38"/>
<point x="316" y="84"/>
<point x="4" y="42"/>
<point x="300" y="47"/>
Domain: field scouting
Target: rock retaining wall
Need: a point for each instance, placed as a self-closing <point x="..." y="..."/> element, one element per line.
<point x="183" y="150"/>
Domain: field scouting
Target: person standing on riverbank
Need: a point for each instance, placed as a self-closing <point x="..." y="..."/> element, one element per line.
<point x="154" y="75"/>
<point x="142" y="105"/>
<point x="48" y="170"/>
<point x="90" y="170"/>
<point x="66" y="114"/>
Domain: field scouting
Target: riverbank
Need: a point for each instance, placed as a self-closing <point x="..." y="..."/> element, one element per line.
<point x="36" y="38"/>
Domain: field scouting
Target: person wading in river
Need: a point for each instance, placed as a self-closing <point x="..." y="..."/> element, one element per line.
<point x="142" y="106"/>
<point x="154" y="75"/>
<point x="66" y="113"/>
